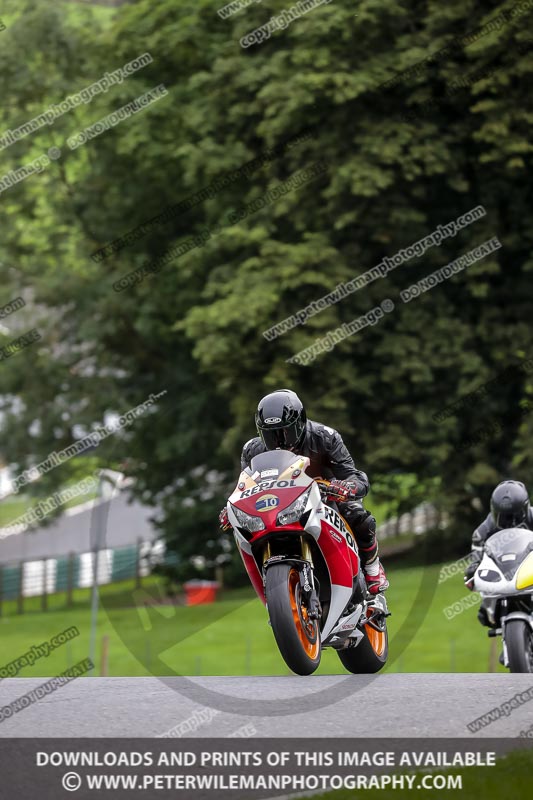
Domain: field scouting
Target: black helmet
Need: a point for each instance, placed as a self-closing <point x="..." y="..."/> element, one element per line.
<point x="509" y="504"/>
<point x="280" y="420"/>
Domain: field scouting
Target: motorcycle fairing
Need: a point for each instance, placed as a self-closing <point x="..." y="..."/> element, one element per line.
<point x="524" y="574"/>
<point x="261" y="493"/>
<point x="507" y="564"/>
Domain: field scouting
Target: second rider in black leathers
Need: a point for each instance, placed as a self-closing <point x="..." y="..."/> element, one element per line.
<point x="509" y="508"/>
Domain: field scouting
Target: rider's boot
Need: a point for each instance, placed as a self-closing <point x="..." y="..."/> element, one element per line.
<point x="376" y="580"/>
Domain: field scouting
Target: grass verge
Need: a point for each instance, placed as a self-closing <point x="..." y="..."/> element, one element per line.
<point x="147" y="635"/>
<point x="510" y="777"/>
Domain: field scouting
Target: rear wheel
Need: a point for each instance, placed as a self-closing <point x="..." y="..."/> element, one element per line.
<point x="371" y="654"/>
<point x="519" y="641"/>
<point x="297" y="636"/>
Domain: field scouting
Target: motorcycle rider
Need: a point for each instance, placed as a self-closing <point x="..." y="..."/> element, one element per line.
<point x="509" y="508"/>
<point x="281" y="422"/>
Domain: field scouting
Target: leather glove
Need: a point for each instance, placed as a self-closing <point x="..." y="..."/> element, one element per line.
<point x="223" y="519"/>
<point x="342" y="490"/>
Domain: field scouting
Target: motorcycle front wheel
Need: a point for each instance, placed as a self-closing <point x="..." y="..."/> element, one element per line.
<point x="519" y="641"/>
<point x="297" y="636"/>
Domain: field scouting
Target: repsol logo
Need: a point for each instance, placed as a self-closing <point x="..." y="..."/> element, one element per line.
<point x="267" y="485"/>
<point x="334" y="518"/>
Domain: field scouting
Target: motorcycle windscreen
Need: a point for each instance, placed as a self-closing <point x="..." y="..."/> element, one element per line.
<point x="509" y="548"/>
<point x="273" y="463"/>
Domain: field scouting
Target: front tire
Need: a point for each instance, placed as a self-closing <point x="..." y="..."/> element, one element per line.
<point x="370" y="655"/>
<point x="297" y="636"/>
<point x="519" y="641"/>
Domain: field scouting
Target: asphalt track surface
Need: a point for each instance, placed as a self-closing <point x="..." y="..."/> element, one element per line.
<point x="395" y="705"/>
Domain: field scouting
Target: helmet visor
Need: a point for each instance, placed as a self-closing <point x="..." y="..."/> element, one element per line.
<point x="285" y="438"/>
<point x="510" y="519"/>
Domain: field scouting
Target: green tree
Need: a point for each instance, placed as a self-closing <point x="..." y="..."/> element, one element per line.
<point x="195" y="327"/>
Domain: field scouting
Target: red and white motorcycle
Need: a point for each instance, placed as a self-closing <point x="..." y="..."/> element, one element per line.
<point x="303" y="563"/>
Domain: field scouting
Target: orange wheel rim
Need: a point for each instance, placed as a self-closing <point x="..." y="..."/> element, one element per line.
<point x="306" y="628"/>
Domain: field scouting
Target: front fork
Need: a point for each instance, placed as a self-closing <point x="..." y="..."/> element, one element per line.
<point x="307" y="582"/>
<point x="306" y="571"/>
